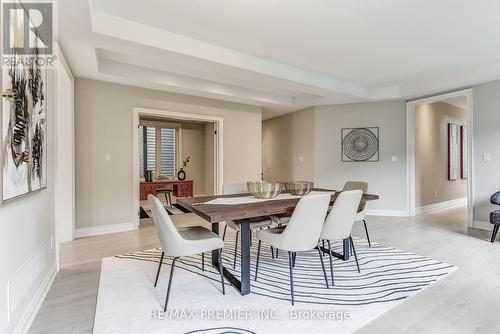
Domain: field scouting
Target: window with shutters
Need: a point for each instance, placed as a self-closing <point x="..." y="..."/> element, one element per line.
<point x="157" y="150"/>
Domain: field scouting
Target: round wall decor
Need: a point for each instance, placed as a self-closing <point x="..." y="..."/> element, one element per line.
<point x="360" y="144"/>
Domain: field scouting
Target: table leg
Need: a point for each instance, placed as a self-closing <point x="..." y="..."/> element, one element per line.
<point x="245" y="256"/>
<point x="243" y="285"/>
<point x="345" y="250"/>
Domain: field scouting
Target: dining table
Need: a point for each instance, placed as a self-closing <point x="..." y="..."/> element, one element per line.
<point x="207" y="207"/>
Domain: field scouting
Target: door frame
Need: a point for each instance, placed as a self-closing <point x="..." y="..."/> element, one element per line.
<point x="181" y="116"/>
<point x="410" y="149"/>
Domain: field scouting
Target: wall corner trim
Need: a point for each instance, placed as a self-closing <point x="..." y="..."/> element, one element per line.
<point x="482" y="225"/>
<point x="27" y="318"/>
<point x="442" y="205"/>
<point x="103" y="229"/>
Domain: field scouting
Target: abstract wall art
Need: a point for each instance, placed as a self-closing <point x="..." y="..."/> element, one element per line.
<point x="453" y="152"/>
<point x="24" y="127"/>
<point x="360" y="144"/>
<point x="464" y="170"/>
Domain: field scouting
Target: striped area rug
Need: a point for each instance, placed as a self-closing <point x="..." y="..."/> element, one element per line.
<point x="388" y="276"/>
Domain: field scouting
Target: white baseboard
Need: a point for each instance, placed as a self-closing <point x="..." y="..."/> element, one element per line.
<point x="482" y="225"/>
<point x="387" y="213"/>
<point x="31" y="311"/>
<point x="103" y="229"/>
<point x="442" y="205"/>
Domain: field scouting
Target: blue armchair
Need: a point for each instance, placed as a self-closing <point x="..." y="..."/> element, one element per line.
<point x="495" y="215"/>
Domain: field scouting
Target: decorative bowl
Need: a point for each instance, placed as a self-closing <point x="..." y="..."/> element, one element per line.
<point x="264" y="190"/>
<point x="299" y="188"/>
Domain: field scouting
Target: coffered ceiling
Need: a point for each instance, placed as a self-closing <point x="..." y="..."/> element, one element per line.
<point x="284" y="55"/>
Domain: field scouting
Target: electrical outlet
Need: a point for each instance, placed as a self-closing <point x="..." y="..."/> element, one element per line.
<point x="435" y="194"/>
<point x="395" y="158"/>
<point x="107" y="158"/>
<point x="486" y="157"/>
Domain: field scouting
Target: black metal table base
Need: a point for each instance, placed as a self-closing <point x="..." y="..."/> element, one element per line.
<point x="242" y="285"/>
<point x="345" y="250"/>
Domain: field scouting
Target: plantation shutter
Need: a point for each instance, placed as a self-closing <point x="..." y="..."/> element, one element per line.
<point x="141" y="151"/>
<point x="150" y="148"/>
<point x="167" y="152"/>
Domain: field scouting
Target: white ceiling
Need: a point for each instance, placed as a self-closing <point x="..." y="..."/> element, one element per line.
<point x="284" y="55"/>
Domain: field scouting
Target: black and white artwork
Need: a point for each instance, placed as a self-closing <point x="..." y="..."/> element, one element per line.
<point x="464" y="154"/>
<point x="24" y="126"/>
<point x="360" y="144"/>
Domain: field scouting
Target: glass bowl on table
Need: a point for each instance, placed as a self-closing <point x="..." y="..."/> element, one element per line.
<point x="264" y="190"/>
<point x="299" y="188"/>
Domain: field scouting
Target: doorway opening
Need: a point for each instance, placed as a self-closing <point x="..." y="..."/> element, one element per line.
<point x="439" y="155"/>
<point x="174" y="155"/>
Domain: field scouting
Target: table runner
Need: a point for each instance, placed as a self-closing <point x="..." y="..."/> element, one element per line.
<point x="251" y="199"/>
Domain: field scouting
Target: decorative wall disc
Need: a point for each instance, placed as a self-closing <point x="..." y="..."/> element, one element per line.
<point x="360" y="144"/>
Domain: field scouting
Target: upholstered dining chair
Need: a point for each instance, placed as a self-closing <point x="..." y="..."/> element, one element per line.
<point x="495" y="215"/>
<point x="256" y="223"/>
<point x="338" y="223"/>
<point x="178" y="243"/>
<point x="360" y="215"/>
<point x="300" y="234"/>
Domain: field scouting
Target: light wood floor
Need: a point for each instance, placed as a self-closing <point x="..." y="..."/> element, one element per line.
<point x="467" y="301"/>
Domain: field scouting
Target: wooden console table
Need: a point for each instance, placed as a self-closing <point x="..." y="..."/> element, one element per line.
<point x="180" y="188"/>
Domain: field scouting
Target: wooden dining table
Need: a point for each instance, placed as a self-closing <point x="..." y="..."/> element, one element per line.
<point x="217" y="213"/>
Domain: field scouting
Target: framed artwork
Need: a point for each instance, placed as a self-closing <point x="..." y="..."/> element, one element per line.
<point x="463" y="153"/>
<point x="360" y="144"/>
<point x="24" y="123"/>
<point x="453" y="152"/>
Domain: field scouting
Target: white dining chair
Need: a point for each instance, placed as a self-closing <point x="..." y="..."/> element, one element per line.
<point x="360" y="215"/>
<point x="301" y="234"/>
<point x="338" y="223"/>
<point x="255" y="224"/>
<point x="177" y="243"/>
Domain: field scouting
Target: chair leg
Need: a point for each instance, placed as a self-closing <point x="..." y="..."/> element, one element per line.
<point x="294" y="256"/>
<point x="367" y="235"/>
<point x="170" y="283"/>
<point x="257" y="262"/>
<point x="224" y="234"/>
<point x="323" y="253"/>
<point x="221" y="270"/>
<point x="236" y="249"/>
<point x="202" y="261"/>
<point x="354" y="251"/>
<point x="331" y="262"/>
<point x="320" y="253"/>
<point x="291" y="275"/>
<point x="277" y="254"/>
<point x="495" y="231"/>
<point x="272" y="252"/>
<point x="159" y="267"/>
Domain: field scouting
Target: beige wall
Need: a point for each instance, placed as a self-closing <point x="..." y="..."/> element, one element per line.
<point x="104" y="190"/>
<point x="288" y="147"/>
<point x="431" y="154"/>
<point x="486" y="139"/>
<point x="193" y="145"/>
<point x="315" y="135"/>
<point x="385" y="177"/>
